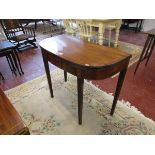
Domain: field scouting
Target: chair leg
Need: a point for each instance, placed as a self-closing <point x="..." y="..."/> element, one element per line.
<point x="9" y="63"/>
<point x="32" y="43"/>
<point x="18" y="60"/>
<point x="12" y="64"/>
<point x="109" y="41"/>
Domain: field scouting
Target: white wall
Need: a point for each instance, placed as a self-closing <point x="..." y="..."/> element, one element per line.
<point x="148" y="24"/>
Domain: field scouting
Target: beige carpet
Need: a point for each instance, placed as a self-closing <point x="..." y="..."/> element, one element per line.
<point x="58" y="115"/>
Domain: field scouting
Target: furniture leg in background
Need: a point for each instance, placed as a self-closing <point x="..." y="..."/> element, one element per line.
<point x="148" y="49"/>
<point x="118" y="25"/>
<point x="17" y="62"/>
<point x="101" y="32"/>
<point x="11" y="63"/>
<point x="1" y="76"/>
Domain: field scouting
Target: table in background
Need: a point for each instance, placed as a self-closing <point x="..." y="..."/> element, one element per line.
<point x="10" y="121"/>
<point x="8" y="49"/>
<point x="84" y="60"/>
<point x="147" y="49"/>
<point x="101" y="23"/>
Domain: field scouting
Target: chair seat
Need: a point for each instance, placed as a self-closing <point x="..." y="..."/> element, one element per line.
<point x="21" y="37"/>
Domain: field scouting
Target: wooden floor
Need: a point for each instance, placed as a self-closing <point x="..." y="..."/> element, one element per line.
<point x="138" y="89"/>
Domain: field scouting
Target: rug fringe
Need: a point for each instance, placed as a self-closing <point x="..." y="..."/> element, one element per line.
<point x="125" y="103"/>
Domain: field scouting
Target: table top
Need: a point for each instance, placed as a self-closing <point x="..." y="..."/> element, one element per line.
<point x="107" y="20"/>
<point x="5" y="45"/>
<point x="83" y="53"/>
<point x="10" y="120"/>
<point x="150" y="32"/>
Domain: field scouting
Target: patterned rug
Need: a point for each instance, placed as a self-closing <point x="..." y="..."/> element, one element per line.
<point x="45" y="115"/>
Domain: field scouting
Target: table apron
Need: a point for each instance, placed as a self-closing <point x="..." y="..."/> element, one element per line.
<point x="86" y="72"/>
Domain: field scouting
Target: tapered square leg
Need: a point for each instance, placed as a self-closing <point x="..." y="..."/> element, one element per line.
<point x="80" y="83"/>
<point x="48" y="74"/>
<point x="65" y="76"/>
<point x="118" y="89"/>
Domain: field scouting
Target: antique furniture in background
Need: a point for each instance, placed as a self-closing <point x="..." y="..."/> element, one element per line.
<point x="86" y="30"/>
<point x="102" y="23"/>
<point x="147" y="49"/>
<point x="10" y="121"/>
<point x="127" y="22"/>
<point x="18" y="34"/>
<point x="109" y="28"/>
<point x="28" y="21"/>
<point x="53" y="25"/>
<point x="86" y="61"/>
<point x="9" y="50"/>
<point x="70" y="26"/>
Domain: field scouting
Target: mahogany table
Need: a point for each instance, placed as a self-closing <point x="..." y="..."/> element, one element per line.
<point x="10" y="121"/>
<point x="84" y="60"/>
<point x="147" y="49"/>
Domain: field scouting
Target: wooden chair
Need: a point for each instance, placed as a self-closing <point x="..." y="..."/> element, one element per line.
<point x="70" y="26"/>
<point x="18" y="34"/>
<point x="86" y="30"/>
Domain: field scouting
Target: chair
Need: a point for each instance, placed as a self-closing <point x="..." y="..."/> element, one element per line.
<point x="18" y="34"/>
<point x="70" y="26"/>
<point x="86" y="30"/>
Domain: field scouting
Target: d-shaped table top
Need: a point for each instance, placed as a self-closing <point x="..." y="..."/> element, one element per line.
<point x="83" y="53"/>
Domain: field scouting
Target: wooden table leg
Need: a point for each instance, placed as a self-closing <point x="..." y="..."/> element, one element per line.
<point x="18" y="60"/>
<point x="143" y="52"/>
<point x="117" y="35"/>
<point x="101" y="32"/>
<point x="15" y="62"/>
<point x="12" y="64"/>
<point x="80" y="83"/>
<point x="65" y="76"/>
<point x="118" y="89"/>
<point x="48" y="74"/>
<point x="151" y="49"/>
<point x="8" y="60"/>
<point x="147" y="51"/>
